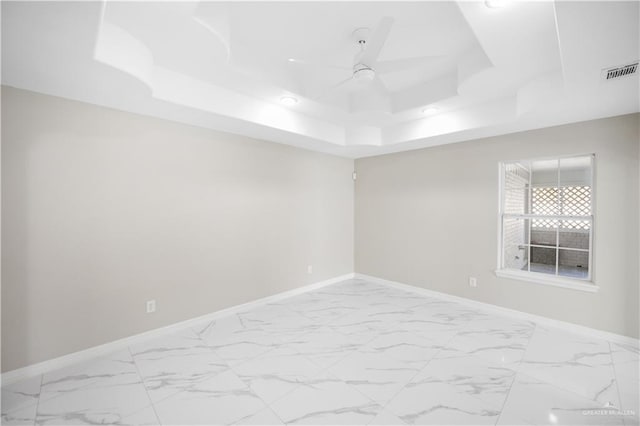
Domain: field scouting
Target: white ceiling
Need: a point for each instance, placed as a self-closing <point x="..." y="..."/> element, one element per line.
<point x="225" y="65"/>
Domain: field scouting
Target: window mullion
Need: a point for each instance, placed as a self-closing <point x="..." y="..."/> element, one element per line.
<point x="529" y="211"/>
<point x="559" y="221"/>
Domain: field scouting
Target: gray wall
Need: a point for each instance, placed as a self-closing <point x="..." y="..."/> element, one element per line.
<point x="103" y="210"/>
<point x="201" y="220"/>
<point x="429" y="218"/>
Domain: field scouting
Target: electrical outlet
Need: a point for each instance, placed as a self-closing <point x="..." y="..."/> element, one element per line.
<point x="473" y="282"/>
<point x="151" y="306"/>
<point x="309" y="269"/>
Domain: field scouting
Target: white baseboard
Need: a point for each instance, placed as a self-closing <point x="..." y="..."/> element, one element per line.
<point x="107" y="348"/>
<point x="548" y="322"/>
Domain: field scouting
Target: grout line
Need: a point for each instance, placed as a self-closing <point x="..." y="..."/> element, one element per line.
<point x="384" y="407"/>
<point x="323" y="370"/>
<point x="544" y="382"/>
<point x="275" y="414"/>
<point x="153" y="407"/>
<point x="516" y="372"/>
<point x="615" y="375"/>
<point x="423" y="368"/>
<point x="35" y="416"/>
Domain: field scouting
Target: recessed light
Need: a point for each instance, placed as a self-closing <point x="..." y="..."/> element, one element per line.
<point x="291" y="60"/>
<point x="494" y="4"/>
<point x="430" y="110"/>
<point x="288" y="100"/>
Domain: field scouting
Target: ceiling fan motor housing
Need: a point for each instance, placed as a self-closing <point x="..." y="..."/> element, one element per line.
<point x="362" y="72"/>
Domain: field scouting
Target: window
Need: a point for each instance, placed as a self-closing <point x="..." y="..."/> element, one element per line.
<point x="546" y="221"/>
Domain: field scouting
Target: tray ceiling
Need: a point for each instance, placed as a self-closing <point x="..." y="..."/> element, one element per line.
<point x="443" y="71"/>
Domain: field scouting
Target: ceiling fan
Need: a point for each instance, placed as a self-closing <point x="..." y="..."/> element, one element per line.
<point x="367" y="68"/>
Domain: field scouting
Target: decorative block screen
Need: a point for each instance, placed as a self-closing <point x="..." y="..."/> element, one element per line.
<point x="568" y="201"/>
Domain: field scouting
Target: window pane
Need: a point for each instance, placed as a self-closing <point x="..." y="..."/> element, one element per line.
<point x="516" y="183"/>
<point x="544" y="236"/>
<point x="544" y="194"/>
<point x="575" y="171"/>
<point x="575" y="201"/>
<point x="516" y="201"/>
<point x="543" y="259"/>
<point x="543" y="250"/>
<point x="575" y="191"/>
<point x="545" y="201"/>
<point x="573" y="263"/>
<point x="515" y="243"/>
<point x="516" y="175"/>
<point x="574" y="238"/>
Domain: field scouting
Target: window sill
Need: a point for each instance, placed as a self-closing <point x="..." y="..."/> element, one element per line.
<point x="545" y="279"/>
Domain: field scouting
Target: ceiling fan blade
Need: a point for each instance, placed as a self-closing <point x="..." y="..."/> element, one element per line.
<point x="403" y="64"/>
<point x="330" y="89"/>
<point x="379" y="87"/>
<point x="318" y="64"/>
<point x="376" y="42"/>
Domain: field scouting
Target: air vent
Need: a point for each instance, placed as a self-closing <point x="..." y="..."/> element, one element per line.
<point x="621" y="71"/>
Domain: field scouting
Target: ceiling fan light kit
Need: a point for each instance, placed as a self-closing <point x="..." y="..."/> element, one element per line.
<point x="363" y="73"/>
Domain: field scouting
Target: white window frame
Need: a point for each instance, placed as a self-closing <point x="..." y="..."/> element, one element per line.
<point x="587" y="284"/>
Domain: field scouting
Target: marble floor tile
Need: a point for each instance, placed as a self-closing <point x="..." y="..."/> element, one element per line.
<point x="540" y="403"/>
<point x="265" y="417"/>
<point x="404" y="346"/>
<point x="627" y="365"/>
<point x="321" y="309"/>
<point x="625" y="353"/>
<point x="244" y="345"/>
<point x="578" y="364"/>
<point x="176" y="362"/>
<point x="375" y="375"/>
<point x="326" y="400"/>
<point x="236" y="339"/>
<point x="324" y="346"/>
<point x="387" y="418"/>
<point x="101" y="403"/>
<point x="265" y="312"/>
<point x="497" y="340"/>
<point x="355" y="352"/>
<point x="222" y="400"/>
<point x="105" y="390"/>
<point x="360" y="323"/>
<point x="275" y="373"/>
<point x="114" y="369"/>
<point x="407" y="300"/>
<point x="436" y="330"/>
<point x="221" y="328"/>
<point x="19" y="416"/>
<point x="452" y="313"/>
<point x="288" y="326"/>
<point x="145" y="417"/>
<point x="21" y="395"/>
<point x="323" y="315"/>
<point x="432" y="402"/>
<point x="469" y="375"/>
